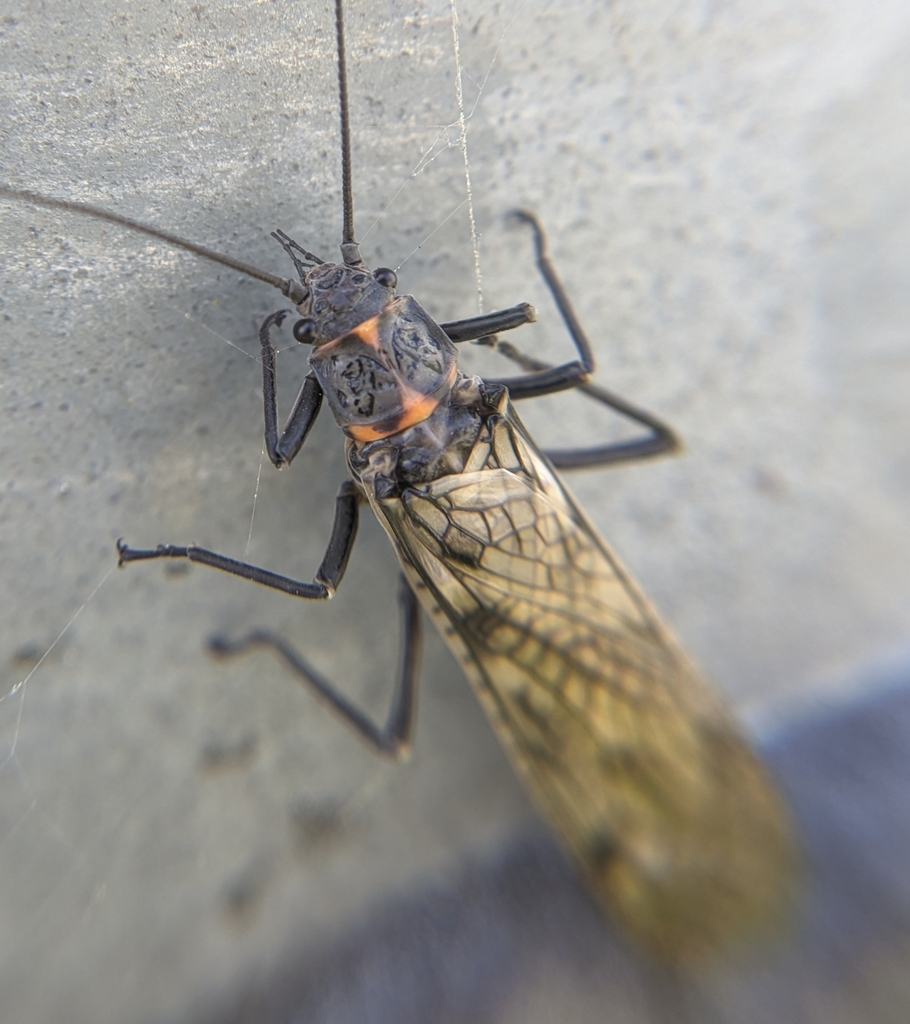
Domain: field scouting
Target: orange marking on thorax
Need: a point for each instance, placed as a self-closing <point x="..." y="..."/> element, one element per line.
<point x="415" y="408"/>
<point x="368" y="332"/>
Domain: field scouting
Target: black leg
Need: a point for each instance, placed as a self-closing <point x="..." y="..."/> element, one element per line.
<point x="544" y="379"/>
<point x="547" y="379"/>
<point x="490" y="323"/>
<point x="660" y="441"/>
<point x="326" y="580"/>
<point x="393" y="738"/>
<point x="283" y="449"/>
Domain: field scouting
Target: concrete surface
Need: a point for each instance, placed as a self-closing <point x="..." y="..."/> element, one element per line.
<point x="726" y="191"/>
<point x="514" y="938"/>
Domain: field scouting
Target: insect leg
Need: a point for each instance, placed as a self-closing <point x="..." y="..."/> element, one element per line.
<point x="283" y="449"/>
<point x="490" y="323"/>
<point x="661" y="440"/>
<point x="326" y="580"/>
<point x="544" y="379"/>
<point x="392" y="740"/>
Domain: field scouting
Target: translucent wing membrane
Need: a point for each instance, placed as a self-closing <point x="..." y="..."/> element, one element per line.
<point x="661" y="803"/>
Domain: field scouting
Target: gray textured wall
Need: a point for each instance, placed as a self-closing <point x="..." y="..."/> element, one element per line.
<point x="726" y="191"/>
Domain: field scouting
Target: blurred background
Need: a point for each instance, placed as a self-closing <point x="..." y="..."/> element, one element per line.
<point x="726" y="192"/>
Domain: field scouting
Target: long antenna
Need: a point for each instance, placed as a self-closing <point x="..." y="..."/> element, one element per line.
<point x="294" y="290"/>
<point x="350" y="250"/>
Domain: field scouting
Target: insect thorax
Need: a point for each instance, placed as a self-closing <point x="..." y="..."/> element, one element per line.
<point x="388" y="372"/>
<point x="438" y="446"/>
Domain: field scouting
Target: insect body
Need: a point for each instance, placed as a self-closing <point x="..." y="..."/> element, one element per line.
<point x="632" y="759"/>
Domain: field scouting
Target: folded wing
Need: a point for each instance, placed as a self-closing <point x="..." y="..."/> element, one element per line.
<point x="632" y="758"/>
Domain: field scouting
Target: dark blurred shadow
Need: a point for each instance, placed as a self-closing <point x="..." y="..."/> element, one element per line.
<point x="516" y="938"/>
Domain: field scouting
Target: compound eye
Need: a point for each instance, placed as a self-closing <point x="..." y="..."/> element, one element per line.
<point x="305" y="331"/>
<point x="387" y="278"/>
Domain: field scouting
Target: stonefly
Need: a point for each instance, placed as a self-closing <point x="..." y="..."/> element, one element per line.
<point x="632" y="759"/>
